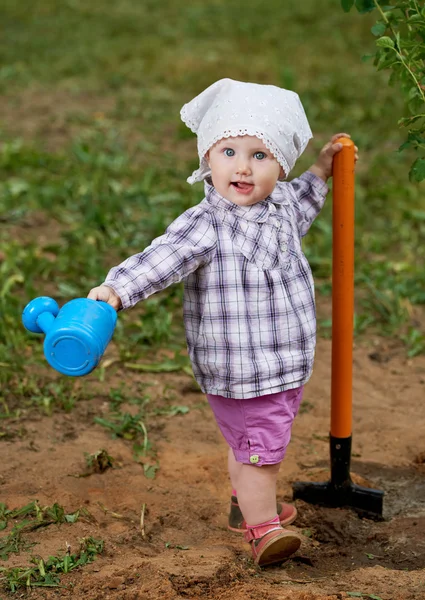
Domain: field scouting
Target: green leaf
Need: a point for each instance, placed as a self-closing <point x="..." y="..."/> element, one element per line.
<point x="365" y="6"/>
<point x="385" y="42"/>
<point x="379" y="29"/>
<point x="415" y="19"/>
<point x="386" y="63"/>
<point x="407" y="121"/>
<point x="355" y="594"/>
<point x="347" y="5"/>
<point x="417" y="171"/>
<point x="168" y="366"/>
<point x="413" y="93"/>
<point x="415" y="105"/>
<point x="418" y="215"/>
<point x="17" y="187"/>
<point x="178" y="410"/>
<point x="150" y="471"/>
<point x="72" y="518"/>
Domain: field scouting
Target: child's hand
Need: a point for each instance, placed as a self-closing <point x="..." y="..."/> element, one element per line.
<point x="106" y="294"/>
<point x="323" y="166"/>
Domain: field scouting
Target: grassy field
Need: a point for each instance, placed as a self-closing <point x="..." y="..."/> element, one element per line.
<point x="94" y="154"/>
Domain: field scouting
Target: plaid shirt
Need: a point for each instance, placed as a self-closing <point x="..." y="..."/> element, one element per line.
<point x="249" y="308"/>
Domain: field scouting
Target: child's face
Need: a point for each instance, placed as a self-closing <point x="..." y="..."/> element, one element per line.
<point x="243" y="170"/>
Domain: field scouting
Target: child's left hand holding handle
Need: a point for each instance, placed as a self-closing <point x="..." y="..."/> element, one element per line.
<point x="323" y="165"/>
<point x="106" y="294"/>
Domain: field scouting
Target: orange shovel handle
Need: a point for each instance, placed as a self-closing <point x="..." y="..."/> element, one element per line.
<point x="342" y="290"/>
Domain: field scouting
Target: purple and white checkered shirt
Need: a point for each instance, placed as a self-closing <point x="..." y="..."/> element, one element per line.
<point x="249" y="308"/>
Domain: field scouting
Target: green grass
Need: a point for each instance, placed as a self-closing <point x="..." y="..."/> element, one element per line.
<point x="29" y="518"/>
<point x="100" y="170"/>
<point x="17" y="523"/>
<point x="132" y="427"/>
<point x="47" y="573"/>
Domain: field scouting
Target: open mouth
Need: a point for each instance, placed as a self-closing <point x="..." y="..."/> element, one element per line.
<point x="242" y="187"/>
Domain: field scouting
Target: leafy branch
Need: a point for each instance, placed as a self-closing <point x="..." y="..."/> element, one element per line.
<point x="400" y="33"/>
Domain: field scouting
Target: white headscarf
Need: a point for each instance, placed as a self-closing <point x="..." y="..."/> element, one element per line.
<point x="231" y="108"/>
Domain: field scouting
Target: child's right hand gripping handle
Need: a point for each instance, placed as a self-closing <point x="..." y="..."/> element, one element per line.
<point x="106" y="294"/>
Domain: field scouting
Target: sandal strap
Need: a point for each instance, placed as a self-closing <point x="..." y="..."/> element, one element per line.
<point x="258" y="532"/>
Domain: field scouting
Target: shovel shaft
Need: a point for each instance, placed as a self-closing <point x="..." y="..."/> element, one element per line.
<point x="342" y="290"/>
<point x="340" y="491"/>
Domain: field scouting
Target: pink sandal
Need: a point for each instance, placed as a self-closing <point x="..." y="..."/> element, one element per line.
<point x="287" y="515"/>
<point x="270" y="545"/>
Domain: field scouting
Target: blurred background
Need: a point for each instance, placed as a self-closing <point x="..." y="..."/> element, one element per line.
<point x="94" y="157"/>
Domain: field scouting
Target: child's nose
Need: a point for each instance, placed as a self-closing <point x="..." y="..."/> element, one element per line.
<point x="243" y="167"/>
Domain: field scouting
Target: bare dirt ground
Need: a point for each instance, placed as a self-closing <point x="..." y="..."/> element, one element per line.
<point x="52" y="118"/>
<point x="186" y="551"/>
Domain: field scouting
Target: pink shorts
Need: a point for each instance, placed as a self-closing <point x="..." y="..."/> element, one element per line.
<point x="258" y="430"/>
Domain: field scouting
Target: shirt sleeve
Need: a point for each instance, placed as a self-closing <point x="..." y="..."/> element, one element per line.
<point x="310" y="194"/>
<point x="188" y="243"/>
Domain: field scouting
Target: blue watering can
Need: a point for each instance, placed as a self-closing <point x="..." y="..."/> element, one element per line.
<point x="76" y="335"/>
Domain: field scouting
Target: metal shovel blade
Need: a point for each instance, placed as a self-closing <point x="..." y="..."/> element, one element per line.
<point x="365" y="501"/>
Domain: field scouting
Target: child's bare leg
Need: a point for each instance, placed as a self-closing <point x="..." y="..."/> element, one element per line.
<point x="256" y="488"/>
<point x="234" y="469"/>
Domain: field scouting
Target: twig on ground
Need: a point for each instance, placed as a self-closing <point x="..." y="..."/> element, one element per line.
<point x="107" y="511"/>
<point x="142" y="520"/>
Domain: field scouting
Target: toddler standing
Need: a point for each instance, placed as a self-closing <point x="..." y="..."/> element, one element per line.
<point x="249" y="308"/>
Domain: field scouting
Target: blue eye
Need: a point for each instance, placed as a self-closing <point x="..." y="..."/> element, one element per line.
<point x="229" y="152"/>
<point x="260" y="155"/>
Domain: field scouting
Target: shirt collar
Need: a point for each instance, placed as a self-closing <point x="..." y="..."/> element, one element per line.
<point x="257" y="212"/>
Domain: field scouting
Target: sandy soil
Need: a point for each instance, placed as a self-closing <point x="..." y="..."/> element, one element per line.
<point x="185" y="550"/>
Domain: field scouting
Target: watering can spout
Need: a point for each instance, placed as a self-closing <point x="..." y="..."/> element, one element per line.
<point x="39" y="314"/>
<point x="45" y="321"/>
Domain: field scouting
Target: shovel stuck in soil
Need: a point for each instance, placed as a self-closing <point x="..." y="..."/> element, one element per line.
<point x="340" y="491"/>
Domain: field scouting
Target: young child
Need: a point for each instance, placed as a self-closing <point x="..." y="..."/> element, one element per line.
<point x="249" y="306"/>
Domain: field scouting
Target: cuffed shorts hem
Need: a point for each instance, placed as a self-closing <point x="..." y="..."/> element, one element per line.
<point x="258" y="430"/>
<point x="258" y="460"/>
